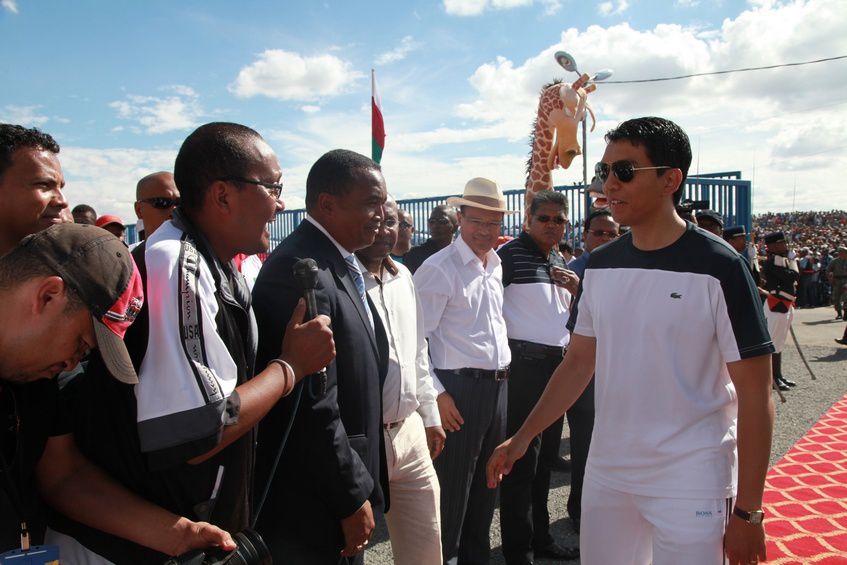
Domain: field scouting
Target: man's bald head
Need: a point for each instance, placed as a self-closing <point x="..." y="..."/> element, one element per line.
<point x="155" y="198"/>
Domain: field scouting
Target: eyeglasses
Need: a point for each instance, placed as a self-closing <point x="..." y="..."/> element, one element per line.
<point x="602" y="233"/>
<point x="439" y="221"/>
<point x="273" y="189"/>
<point x="405" y="225"/>
<point x="624" y="170"/>
<point x="161" y="202"/>
<point x="543" y="218"/>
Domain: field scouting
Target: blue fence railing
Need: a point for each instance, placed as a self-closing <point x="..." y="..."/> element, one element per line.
<point x="725" y="191"/>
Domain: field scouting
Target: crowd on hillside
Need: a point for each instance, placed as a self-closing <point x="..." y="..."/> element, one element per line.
<point x="815" y="238"/>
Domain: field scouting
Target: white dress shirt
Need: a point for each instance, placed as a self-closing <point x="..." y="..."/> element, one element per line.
<point x="462" y="303"/>
<point x="408" y="385"/>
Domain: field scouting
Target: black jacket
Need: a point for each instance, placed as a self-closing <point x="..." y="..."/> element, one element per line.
<point x="335" y="456"/>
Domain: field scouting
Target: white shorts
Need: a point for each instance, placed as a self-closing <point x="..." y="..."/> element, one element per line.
<point x="628" y="529"/>
<point x="779" y="324"/>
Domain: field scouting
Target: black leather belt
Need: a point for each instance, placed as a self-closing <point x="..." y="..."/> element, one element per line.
<point x="393" y="425"/>
<point x="496" y="374"/>
<point x="536" y="350"/>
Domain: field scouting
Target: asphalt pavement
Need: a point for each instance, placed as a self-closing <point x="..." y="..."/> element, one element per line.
<point x="815" y="329"/>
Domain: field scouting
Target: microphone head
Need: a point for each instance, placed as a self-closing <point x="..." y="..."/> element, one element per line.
<point x="306" y="273"/>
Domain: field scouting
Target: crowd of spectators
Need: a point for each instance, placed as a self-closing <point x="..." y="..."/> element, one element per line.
<point x="814" y="237"/>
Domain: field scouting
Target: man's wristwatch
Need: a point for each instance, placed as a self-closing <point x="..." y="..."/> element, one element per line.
<point x="753" y="517"/>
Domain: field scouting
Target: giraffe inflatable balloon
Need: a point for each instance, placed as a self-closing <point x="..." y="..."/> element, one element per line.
<point x="561" y="108"/>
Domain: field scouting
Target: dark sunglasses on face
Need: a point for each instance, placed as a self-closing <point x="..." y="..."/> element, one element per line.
<point x="439" y="221"/>
<point x="273" y="189"/>
<point x="624" y="170"/>
<point x="160" y="202"/>
<point x="601" y="233"/>
<point x="559" y="220"/>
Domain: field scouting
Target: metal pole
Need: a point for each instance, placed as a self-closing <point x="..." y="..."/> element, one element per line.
<point x="585" y="164"/>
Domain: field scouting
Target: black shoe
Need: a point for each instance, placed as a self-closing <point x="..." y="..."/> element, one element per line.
<point x="786" y="382"/>
<point x="560" y="464"/>
<point x="841" y="341"/>
<point x="838" y="316"/>
<point x="556" y="551"/>
<point x="781" y="386"/>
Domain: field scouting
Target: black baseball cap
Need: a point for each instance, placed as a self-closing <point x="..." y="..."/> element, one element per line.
<point x="774" y="237"/>
<point x="100" y="269"/>
<point x="711" y="215"/>
<point x="734" y="231"/>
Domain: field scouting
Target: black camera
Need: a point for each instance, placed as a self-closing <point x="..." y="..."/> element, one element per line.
<point x="251" y="550"/>
<point x="686" y="207"/>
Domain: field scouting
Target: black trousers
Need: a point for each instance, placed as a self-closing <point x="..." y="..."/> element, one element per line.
<point x="467" y="504"/>
<point x="524" y="518"/>
<point x="581" y="424"/>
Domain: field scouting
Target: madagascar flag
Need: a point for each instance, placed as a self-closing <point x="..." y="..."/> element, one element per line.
<point x="377" y="125"/>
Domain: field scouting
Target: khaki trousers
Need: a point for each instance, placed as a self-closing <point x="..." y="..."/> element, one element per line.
<point x="414" y="517"/>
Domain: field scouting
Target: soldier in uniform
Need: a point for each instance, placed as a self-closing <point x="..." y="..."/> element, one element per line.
<point x="780" y="276"/>
<point x="836" y="271"/>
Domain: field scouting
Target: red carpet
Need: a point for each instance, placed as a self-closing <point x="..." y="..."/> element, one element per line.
<point x="806" y="496"/>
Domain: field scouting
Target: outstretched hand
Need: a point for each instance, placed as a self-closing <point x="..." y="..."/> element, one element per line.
<point x="501" y="461"/>
<point x="308" y="347"/>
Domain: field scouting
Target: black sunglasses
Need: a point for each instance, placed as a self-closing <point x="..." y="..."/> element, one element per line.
<point x="624" y="170"/>
<point x="439" y="221"/>
<point x="556" y="219"/>
<point x="273" y="188"/>
<point x="160" y="202"/>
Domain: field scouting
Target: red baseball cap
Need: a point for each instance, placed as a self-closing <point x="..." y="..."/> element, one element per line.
<point x="107" y="219"/>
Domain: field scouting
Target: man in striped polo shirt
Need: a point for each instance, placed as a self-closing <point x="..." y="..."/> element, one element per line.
<point x="536" y="306"/>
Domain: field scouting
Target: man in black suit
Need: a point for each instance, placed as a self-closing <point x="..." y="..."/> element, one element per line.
<point x="322" y="495"/>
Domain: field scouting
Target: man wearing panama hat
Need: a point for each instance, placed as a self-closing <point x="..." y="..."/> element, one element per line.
<point x="461" y="294"/>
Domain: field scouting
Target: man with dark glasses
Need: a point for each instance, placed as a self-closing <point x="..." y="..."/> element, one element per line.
<point x="156" y="196"/>
<point x="184" y="437"/>
<point x="669" y="317"/>
<point x="536" y="304"/>
<point x="443" y="225"/>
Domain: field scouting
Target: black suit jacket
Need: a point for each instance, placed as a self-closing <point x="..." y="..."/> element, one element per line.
<point x="335" y="458"/>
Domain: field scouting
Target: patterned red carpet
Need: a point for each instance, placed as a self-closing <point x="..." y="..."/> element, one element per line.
<point x="806" y="496"/>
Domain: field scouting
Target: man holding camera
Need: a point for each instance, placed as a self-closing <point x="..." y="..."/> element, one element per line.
<point x="65" y="290"/>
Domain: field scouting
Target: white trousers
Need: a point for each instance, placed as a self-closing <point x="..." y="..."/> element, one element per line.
<point x="414" y="516"/>
<point x="779" y="324"/>
<point x="628" y="529"/>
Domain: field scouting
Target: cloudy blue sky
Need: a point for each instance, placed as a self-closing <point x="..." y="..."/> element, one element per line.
<point x="120" y="84"/>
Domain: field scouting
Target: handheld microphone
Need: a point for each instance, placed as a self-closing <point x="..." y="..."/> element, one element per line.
<point x="306" y="274"/>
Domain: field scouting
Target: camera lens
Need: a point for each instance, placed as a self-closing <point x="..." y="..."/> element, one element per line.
<point x="251" y="549"/>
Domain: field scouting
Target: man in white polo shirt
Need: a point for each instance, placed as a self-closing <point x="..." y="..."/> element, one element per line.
<point x="461" y="294"/>
<point x="671" y="320"/>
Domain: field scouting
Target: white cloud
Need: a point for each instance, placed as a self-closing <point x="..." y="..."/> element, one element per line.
<point x="9" y="5"/>
<point x="612" y="8"/>
<point x="686" y="3"/>
<point x="765" y="123"/>
<point x="285" y="75"/>
<point x="477" y="7"/>
<point x="407" y="45"/>
<point x="106" y="178"/>
<point x="22" y="115"/>
<point x="161" y="114"/>
<point x="310" y="109"/>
